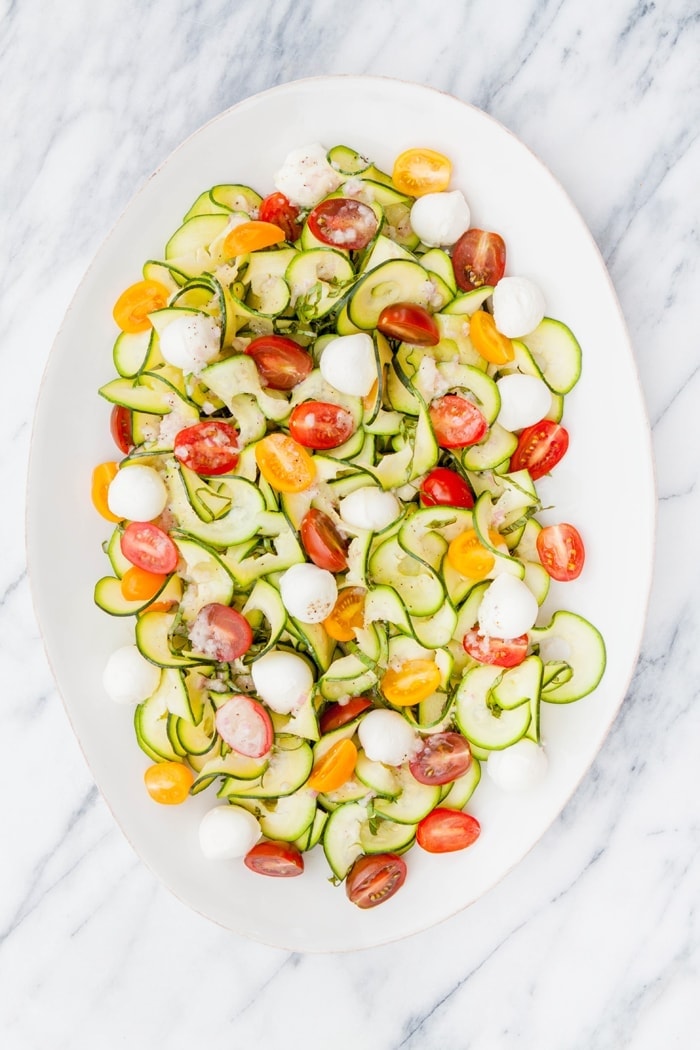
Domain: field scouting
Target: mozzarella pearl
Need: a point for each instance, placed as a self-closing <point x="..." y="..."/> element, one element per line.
<point x="387" y="737"/>
<point x="128" y="677"/>
<point x="524" y="400"/>
<point x="306" y="177"/>
<point x="370" y="508"/>
<point x="191" y="341"/>
<point x="518" y="306"/>
<point x="348" y="364"/>
<point x="440" y="218"/>
<point x="283" y="680"/>
<point x="137" y="493"/>
<point x="518" y="767"/>
<point x="508" y="608"/>
<point x="226" y="832"/>
<point x="308" y="593"/>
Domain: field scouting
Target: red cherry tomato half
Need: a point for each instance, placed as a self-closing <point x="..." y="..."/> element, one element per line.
<point x="245" y="725"/>
<point x="320" y="424"/>
<point x="281" y="860"/>
<point x="279" y="210"/>
<point x="208" y="448"/>
<point x="372" y="880"/>
<point x="221" y="632"/>
<point x="561" y="551"/>
<point x="442" y="758"/>
<point x="343" y="222"/>
<point x="322" y="542"/>
<point x="148" y="547"/>
<point x="410" y="323"/>
<point x="501" y="652"/>
<point x="540" y="448"/>
<point x="447" y="830"/>
<point x="120" y="428"/>
<point x="445" y="488"/>
<point x="338" y="715"/>
<point x="281" y="362"/>
<point x="478" y="258"/>
<point x="457" y="422"/>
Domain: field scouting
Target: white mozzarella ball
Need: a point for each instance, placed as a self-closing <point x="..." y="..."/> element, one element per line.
<point x="128" y="677"/>
<point x="349" y="365"/>
<point x="283" y="680"/>
<point x="137" y="493"/>
<point x="226" y="832"/>
<point x="191" y="341"/>
<point x="387" y="737"/>
<point x="308" y="593"/>
<point x="508" y="608"/>
<point x="518" y="767"/>
<point x="306" y="177"/>
<point x="370" y="508"/>
<point x="524" y="400"/>
<point x="518" y="306"/>
<point x="440" y="219"/>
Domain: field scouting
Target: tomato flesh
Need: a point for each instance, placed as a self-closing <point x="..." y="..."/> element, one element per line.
<point x="374" y="879"/>
<point x="442" y="758"/>
<point x="120" y="428"/>
<point x="343" y="222"/>
<point x="285" y="463"/>
<point x="540" y="448"/>
<point x="137" y="585"/>
<point x="280" y="860"/>
<point x="445" y="488"/>
<point x="320" y="424"/>
<point x="281" y="363"/>
<point x="561" y="551"/>
<point x="500" y="652"/>
<point x="102" y="477"/>
<point x="278" y="209"/>
<point x="338" y="715"/>
<point x="168" y="783"/>
<point x="322" y="542"/>
<point x="410" y="323"/>
<point x="245" y="725"/>
<point x="148" y="547"/>
<point x="494" y="347"/>
<point x="221" y="632"/>
<point x="418" y="171"/>
<point x="411" y="682"/>
<point x="447" y="830"/>
<point x="251" y="237"/>
<point x="347" y="614"/>
<point x="208" y="448"/>
<point x="133" y="306"/>
<point x="335" y="768"/>
<point x="478" y="258"/>
<point x="457" y="422"/>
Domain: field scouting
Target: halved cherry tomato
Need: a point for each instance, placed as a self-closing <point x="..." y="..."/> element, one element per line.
<point x="447" y="830"/>
<point x="285" y="463"/>
<point x="281" y="860"/>
<point x="500" y="652"/>
<point x="445" y="488"/>
<point x="540" y="448"/>
<point x="374" y="879"/>
<point x="338" y="715"/>
<point x="343" y="223"/>
<point x="280" y="362"/>
<point x="478" y="258"/>
<point x="457" y="422"/>
<point x="467" y="555"/>
<point x="168" y="783"/>
<point x="320" y="424"/>
<point x="335" y="768"/>
<point x="419" y="171"/>
<point x="139" y="585"/>
<point x="561" y="551"/>
<point x="410" y="683"/>
<point x="442" y="758"/>
<point x="208" y="448"/>
<point x="133" y="306"/>
<point x="227" y="633"/>
<point x="120" y="428"/>
<point x="251" y="237"/>
<point x="410" y="323"/>
<point x="102" y="477"/>
<point x="245" y="725"/>
<point x="148" y="547"/>
<point x="347" y="614"/>
<point x="322" y="541"/>
<point x="278" y="209"/>
<point x="488" y="341"/>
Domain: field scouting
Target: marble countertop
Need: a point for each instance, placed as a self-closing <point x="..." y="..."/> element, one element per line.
<point x="593" y="942"/>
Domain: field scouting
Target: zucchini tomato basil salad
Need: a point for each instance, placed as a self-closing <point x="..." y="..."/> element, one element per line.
<point x="333" y="408"/>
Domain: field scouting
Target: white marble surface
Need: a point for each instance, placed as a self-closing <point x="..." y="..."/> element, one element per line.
<point x="593" y="942"/>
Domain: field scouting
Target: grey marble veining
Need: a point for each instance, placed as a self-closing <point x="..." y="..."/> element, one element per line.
<point x="593" y="942"/>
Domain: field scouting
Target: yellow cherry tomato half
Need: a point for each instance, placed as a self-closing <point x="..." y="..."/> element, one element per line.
<point x="250" y="237"/>
<point x="335" y="768"/>
<point x="133" y="306"/>
<point x="347" y="614"/>
<point x="102" y="477"/>
<point x="168" y="783"/>
<point x="284" y="463"/>
<point x="419" y="171"/>
<point x="410" y="683"/>
<point x="139" y="585"/>
<point x="488" y="341"/>
<point x="467" y="555"/>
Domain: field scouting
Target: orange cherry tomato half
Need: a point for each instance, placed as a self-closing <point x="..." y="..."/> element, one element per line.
<point x="347" y="614"/>
<point x="245" y="725"/>
<point x="488" y="341"/>
<point x="410" y="323"/>
<point x="133" y="306"/>
<point x="322" y="542"/>
<point x="374" y="879"/>
<point x="561" y="551"/>
<point x="138" y="585"/>
<point x="226" y="633"/>
<point x="335" y="768"/>
<point x="284" y="463"/>
<point x="208" y="448"/>
<point x="278" y="209"/>
<point x="457" y="422"/>
<point x="120" y="428"/>
<point x="168" y="783"/>
<point x="343" y="222"/>
<point x="467" y="555"/>
<point x="499" y="652"/>
<point x="102" y="477"/>
<point x="540" y="448"/>
<point x="250" y="237"/>
<point x="447" y="830"/>
<point x="320" y="424"/>
<point x="478" y="258"/>
<point x="445" y="488"/>
<point x="148" y="547"/>
<point x="280" y="860"/>
<point x="281" y="363"/>
<point x="410" y="683"/>
<point x="338" y="715"/>
<point x="419" y="171"/>
<point x="443" y="757"/>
